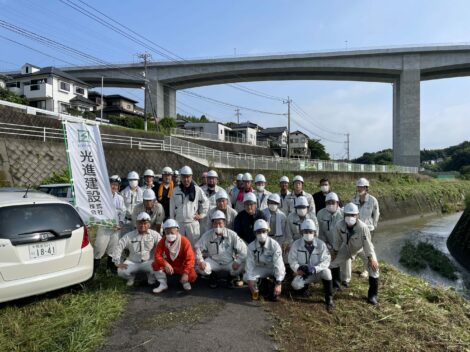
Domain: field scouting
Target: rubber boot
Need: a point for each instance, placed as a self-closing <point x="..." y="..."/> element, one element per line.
<point x="328" y="287"/>
<point x="111" y="266"/>
<point x="213" y="280"/>
<point x="96" y="265"/>
<point x="373" y="290"/>
<point x="336" y="273"/>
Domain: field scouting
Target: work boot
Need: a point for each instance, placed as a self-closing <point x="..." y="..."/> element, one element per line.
<point x="373" y="290"/>
<point x="111" y="266"/>
<point x="263" y="287"/>
<point x="213" y="280"/>
<point x="336" y="272"/>
<point x="328" y="287"/>
<point x="345" y="284"/>
<point x="96" y="265"/>
<point x="162" y="287"/>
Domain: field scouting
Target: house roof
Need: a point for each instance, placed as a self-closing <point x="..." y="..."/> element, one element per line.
<point x="246" y="124"/>
<point x="82" y="100"/>
<point x="119" y="96"/>
<point x="299" y="132"/>
<point x="273" y="131"/>
<point x="49" y="71"/>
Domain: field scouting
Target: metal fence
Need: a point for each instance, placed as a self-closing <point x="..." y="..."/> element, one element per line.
<point x="214" y="137"/>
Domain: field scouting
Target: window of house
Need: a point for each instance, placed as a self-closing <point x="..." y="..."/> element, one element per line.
<point x="79" y="90"/>
<point x="64" y="86"/>
<point x="128" y="106"/>
<point x="26" y="69"/>
<point x="13" y="85"/>
<point x="63" y="107"/>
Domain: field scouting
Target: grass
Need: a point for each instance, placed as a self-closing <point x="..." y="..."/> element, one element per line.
<point x="411" y="316"/>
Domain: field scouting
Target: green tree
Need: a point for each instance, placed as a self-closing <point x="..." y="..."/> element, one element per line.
<point x="5" y="94"/>
<point x="317" y="150"/>
<point x="167" y="122"/>
<point x="382" y="157"/>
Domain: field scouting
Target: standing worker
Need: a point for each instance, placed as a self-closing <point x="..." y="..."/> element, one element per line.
<point x="261" y="193"/>
<point x="211" y="187"/>
<point x="284" y="194"/>
<point x="247" y="188"/>
<point x="298" y="183"/>
<point x="165" y="190"/>
<point x="151" y="207"/>
<point x="245" y="220"/>
<point x="149" y="180"/>
<point x="320" y="197"/>
<point x="221" y="201"/>
<point x="132" y="195"/>
<point x="295" y="219"/>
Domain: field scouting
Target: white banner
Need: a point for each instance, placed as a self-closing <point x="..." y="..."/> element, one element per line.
<point x="93" y="198"/>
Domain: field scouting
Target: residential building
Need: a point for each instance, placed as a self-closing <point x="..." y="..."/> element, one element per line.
<point x="50" y="89"/>
<point x="298" y="145"/>
<point x="116" y="105"/>
<point x="245" y="131"/>
<point x="3" y="79"/>
<point x="210" y="129"/>
<point x="276" y="138"/>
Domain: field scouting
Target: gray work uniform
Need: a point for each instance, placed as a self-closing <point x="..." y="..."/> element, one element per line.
<point x="211" y="197"/>
<point x="293" y="225"/>
<point x="368" y="210"/>
<point x="264" y="260"/>
<point x="230" y="214"/>
<point x="157" y="214"/>
<point x="131" y="199"/>
<point x="293" y="197"/>
<point x="277" y="225"/>
<point x="262" y="199"/>
<point x="284" y="206"/>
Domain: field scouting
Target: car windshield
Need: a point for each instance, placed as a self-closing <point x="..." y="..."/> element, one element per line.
<point x="23" y="219"/>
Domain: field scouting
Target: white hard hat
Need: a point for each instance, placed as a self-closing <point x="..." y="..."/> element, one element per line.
<point x="298" y="283"/>
<point x="247" y="177"/>
<point x="362" y="182"/>
<point x="298" y="178"/>
<point x="274" y="197"/>
<point x="221" y="195"/>
<point x="332" y="196"/>
<point x="249" y="197"/>
<point x="300" y="202"/>
<point x="149" y="172"/>
<point x="218" y="215"/>
<point x="260" y="224"/>
<point x="212" y="173"/>
<point x="308" y="224"/>
<point x="284" y="179"/>
<point x="240" y="177"/>
<point x="115" y="178"/>
<point x="176" y="172"/>
<point x="167" y="170"/>
<point x="260" y="178"/>
<point x="132" y="175"/>
<point x="204" y="174"/>
<point x="143" y="216"/>
<point x="186" y="170"/>
<point x="170" y="223"/>
<point x="148" y="195"/>
<point x="351" y="208"/>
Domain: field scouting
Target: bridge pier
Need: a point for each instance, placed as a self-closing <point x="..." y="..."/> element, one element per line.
<point x="156" y="97"/>
<point x="406" y="114"/>
<point x="169" y="102"/>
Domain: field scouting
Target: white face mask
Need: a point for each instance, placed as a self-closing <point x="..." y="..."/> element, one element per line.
<point x="350" y="220"/>
<point x="301" y="212"/>
<point x="171" y="237"/>
<point x="133" y="183"/>
<point x="272" y="207"/>
<point x="325" y="189"/>
<point x="331" y="208"/>
<point x="361" y="193"/>
<point x="260" y="188"/>
<point x="219" y="230"/>
<point x="262" y="237"/>
<point x="308" y="237"/>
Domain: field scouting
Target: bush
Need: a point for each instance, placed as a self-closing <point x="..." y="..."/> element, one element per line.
<point x="62" y="176"/>
<point x="6" y="95"/>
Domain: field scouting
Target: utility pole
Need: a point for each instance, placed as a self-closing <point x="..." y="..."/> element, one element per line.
<point x="347" y="146"/>
<point x="237" y="114"/>
<point x="102" y="102"/>
<point x="145" y="56"/>
<point x="288" y="102"/>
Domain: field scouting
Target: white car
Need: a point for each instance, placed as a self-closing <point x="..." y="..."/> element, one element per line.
<point x="60" y="190"/>
<point x="44" y="245"/>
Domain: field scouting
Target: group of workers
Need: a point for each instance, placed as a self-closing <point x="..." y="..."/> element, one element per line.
<point x="244" y="234"/>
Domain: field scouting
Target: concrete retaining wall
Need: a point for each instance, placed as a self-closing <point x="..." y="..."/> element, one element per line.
<point x="459" y="240"/>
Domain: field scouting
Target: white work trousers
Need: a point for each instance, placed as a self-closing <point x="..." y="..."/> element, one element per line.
<point x="134" y="268"/>
<point x="213" y="266"/>
<point x="105" y="242"/>
<point x="343" y="256"/>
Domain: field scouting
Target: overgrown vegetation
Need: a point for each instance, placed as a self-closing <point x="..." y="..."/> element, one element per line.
<point x="418" y="257"/>
<point x="6" y="95"/>
<point x="411" y="316"/>
<point x="382" y="157"/>
<point x="61" y="176"/>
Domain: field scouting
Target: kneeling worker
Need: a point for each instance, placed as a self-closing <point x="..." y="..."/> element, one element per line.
<point x="174" y="255"/>
<point x="224" y="250"/>
<point x="309" y="258"/>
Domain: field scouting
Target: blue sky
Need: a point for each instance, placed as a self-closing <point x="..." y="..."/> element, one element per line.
<point x="206" y="28"/>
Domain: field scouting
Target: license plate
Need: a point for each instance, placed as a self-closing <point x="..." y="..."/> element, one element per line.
<point x="41" y="250"/>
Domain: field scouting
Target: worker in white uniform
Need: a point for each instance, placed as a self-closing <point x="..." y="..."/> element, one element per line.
<point x="238" y="200"/>
<point x="149" y="180"/>
<point x="309" y="259"/>
<point x="141" y="245"/>
<point x="188" y="205"/>
<point x="284" y="194"/>
<point x="261" y="193"/>
<point x="151" y="207"/>
<point x="276" y="219"/>
<point x="211" y="187"/>
<point x="220" y="250"/>
<point x="296" y="218"/>
<point x="353" y="237"/>
<point x="297" y="191"/>
<point x="264" y="260"/>
<point x="222" y="204"/>
<point x="132" y="195"/>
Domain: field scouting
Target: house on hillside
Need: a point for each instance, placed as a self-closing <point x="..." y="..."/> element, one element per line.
<point x="210" y="130"/>
<point x="276" y="138"/>
<point x="50" y="89"/>
<point x="246" y="132"/>
<point x="298" y="145"/>
<point x="115" y="105"/>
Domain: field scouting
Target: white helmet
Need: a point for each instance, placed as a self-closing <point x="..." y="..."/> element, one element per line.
<point x="274" y="197"/>
<point x="149" y="195"/>
<point x="212" y="173"/>
<point x="298" y="178"/>
<point x="170" y="223"/>
<point x="332" y="196"/>
<point x="260" y="178"/>
<point x="218" y="215"/>
<point x="247" y="177"/>
<point x="362" y="182"/>
<point x="249" y="197"/>
<point x="176" y="172"/>
<point x="240" y="177"/>
<point x="351" y="208"/>
<point x="115" y="178"/>
<point x="221" y="195"/>
<point x="143" y="216"/>
<point x="132" y="175"/>
<point x="167" y="171"/>
<point x="186" y="170"/>
<point x="284" y="179"/>
<point x="300" y="202"/>
<point x="260" y="224"/>
<point x="308" y="224"/>
<point x="298" y="283"/>
<point x="149" y="172"/>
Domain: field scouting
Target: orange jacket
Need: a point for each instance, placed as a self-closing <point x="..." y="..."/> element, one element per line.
<point x="184" y="262"/>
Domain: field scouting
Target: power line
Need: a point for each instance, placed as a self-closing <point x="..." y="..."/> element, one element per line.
<point x="311" y="120"/>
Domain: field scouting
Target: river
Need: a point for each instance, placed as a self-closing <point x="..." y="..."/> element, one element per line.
<point x="390" y="236"/>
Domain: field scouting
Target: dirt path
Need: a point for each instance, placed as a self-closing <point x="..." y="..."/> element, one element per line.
<point x="205" y="320"/>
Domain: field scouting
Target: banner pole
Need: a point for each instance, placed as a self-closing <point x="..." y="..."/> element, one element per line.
<point x="68" y="162"/>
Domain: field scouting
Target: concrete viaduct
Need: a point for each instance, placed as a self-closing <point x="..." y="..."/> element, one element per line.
<point x="403" y="67"/>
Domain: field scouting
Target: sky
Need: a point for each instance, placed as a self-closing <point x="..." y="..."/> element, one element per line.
<point x="216" y="28"/>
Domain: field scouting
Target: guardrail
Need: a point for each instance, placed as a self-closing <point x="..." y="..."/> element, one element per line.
<point x="213" y="137"/>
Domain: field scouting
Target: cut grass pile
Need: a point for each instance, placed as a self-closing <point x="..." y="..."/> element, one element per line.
<point x="73" y="319"/>
<point x="411" y="316"/>
<point x="418" y="257"/>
